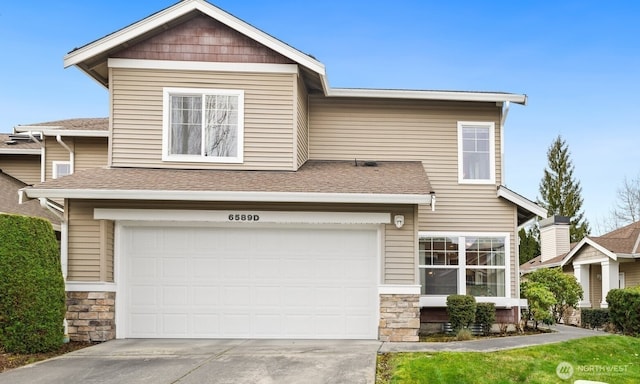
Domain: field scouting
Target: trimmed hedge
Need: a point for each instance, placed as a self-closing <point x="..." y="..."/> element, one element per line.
<point x="485" y="316"/>
<point x="461" y="310"/>
<point x="32" y="297"/>
<point x="624" y="310"/>
<point x="594" y="318"/>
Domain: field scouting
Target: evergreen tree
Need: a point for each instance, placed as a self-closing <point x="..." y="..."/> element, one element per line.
<point x="529" y="245"/>
<point x="561" y="192"/>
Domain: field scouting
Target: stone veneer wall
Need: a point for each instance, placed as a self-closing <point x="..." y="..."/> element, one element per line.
<point x="399" y="317"/>
<point x="91" y="316"/>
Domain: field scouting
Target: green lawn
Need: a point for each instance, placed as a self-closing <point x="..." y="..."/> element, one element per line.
<point x="611" y="359"/>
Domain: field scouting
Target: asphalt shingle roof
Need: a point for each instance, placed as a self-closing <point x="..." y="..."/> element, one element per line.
<point x="395" y="178"/>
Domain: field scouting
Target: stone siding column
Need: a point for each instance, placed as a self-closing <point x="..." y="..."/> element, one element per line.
<point x="399" y="317"/>
<point x="91" y="316"/>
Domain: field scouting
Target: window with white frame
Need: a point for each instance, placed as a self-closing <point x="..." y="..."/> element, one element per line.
<point x="61" y="168"/>
<point x="476" y="152"/>
<point x="203" y="125"/>
<point x="464" y="264"/>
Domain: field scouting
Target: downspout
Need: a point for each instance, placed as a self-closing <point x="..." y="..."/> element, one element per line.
<point x="433" y="201"/>
<point x="59" y="213"/>
<point x="505" y="113"/>
<point x="42" y="155"/>
<point x="72" y="155"/>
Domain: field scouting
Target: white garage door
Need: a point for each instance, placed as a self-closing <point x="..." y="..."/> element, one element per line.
<point x="306" y="282"/>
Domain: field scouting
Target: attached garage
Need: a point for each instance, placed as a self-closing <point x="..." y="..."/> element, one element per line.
<point x="248" y="281"/>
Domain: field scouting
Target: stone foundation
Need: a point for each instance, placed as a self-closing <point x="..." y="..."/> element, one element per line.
<point x="91" y="316"/>
<point x="399" y="317"/>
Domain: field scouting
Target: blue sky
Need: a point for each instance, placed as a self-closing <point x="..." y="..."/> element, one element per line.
<point x="578" y="61"/>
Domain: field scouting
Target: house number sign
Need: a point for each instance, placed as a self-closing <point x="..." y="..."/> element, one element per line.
<point x="243" y="217"/>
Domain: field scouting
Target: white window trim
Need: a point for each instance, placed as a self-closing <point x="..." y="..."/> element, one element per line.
<point x="166" y="111"/>
<point x="54" y="168"/>
<point x="462" y="263"/>
<point x="492" y="150"/>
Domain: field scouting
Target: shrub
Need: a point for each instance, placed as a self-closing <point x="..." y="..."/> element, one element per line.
<point x="540" y="301"/>
<point x="461" y="310"/>
<point x="486" y="316"/>
<point x="624" y="310"/>
<point x="32" y="298"/>
<point x="564" y="287"/>
<point x="594" y="318"/>
<point x="464" y="335"/>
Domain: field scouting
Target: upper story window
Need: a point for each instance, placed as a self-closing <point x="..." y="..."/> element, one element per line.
<point x="476" y="152"/>
<point x="61" y="168"/>
<point x="203" y="125"/>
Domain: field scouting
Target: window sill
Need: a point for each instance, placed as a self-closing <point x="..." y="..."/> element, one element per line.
<point x="202" y="159"/>
<point x="500" y="302"/>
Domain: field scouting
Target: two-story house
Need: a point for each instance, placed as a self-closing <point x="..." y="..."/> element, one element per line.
<point x="244" y="197"/>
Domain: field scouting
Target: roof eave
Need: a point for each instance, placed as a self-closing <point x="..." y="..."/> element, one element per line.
<point x="283" y="197"/>
<point x="493" y="97"/>
<point x="521" y="201"/>
<point x="20" y="151"/>
<point x="80" y="55"/>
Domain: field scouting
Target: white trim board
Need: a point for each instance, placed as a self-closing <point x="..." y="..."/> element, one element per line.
<point x="284" y="197"/>
<point x="203" y="66"/>
<point x="268" y="217"/>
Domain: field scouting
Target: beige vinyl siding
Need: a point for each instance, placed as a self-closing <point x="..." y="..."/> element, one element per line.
<point x="84" y="242"/>
<point x="348" y="129"/>
<point x="25" y="168"/>
<point x="589" y="253"/>
<point x="302" y="126"/>
<point x="91" y="242"/>
<point x="631" y="274"/>
<point x="137" y="116"/>
<point x="90" y="152"/>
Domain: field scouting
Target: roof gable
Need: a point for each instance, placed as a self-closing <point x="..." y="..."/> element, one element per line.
<point x="92" y="58"/>
<point x="203" y="39"/>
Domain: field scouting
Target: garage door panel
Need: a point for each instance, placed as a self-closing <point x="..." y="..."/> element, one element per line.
<point x="306" y="282"/>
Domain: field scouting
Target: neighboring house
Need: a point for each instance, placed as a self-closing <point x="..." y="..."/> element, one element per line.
<point x="20" y="157"/>
<point x="600" y="263"/>
<point x="245" y="197"/>
<point x="10" y="204"/>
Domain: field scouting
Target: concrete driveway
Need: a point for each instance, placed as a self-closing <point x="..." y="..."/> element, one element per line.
<point x="207" y="361"/>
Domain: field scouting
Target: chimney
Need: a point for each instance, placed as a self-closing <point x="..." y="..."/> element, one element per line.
<point x="554" y="237"/>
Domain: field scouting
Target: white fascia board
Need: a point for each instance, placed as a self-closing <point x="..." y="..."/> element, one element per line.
<point x="20" y="151"/>
<point x="202" y="66"/>
<point x="75" y="133"/>
<point x="283" y="197"/>
<point x="158" y="19"/>
<point x="234" y="216"/>
<point x="521" y="201"/>
<point x="428" y="95"/>
<point x="55" y="130"/>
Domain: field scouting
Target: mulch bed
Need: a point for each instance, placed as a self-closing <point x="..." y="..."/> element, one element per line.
<point x="14" y="360"/>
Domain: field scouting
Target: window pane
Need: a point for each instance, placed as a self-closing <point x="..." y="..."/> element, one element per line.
<point x="63" y="169"/>
<point x="476" y="153"/>
<point x="485" y="282"/>
<point x="439" y="281"/>
<point x="221" y="126"/>
<point x="476" y="166"/>
<point x="485" y="251"/>
<point x="186" y="125"/>
<point x="438" y="251"/>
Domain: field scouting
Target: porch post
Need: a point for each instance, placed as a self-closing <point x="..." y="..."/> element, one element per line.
<point x="581" y="272"/>
<point x="610" y="270"/>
